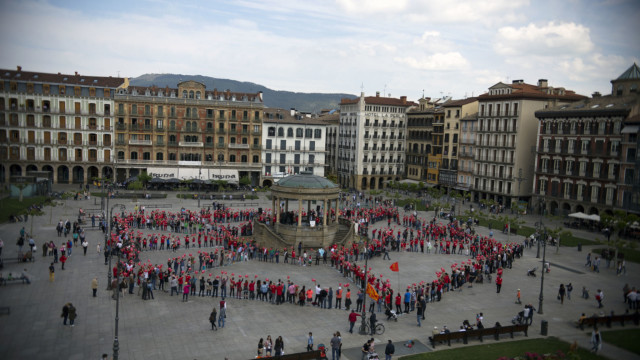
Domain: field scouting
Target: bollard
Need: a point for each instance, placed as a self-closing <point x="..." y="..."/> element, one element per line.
<point x="579" y="247"/>
<point x="544" y="327"/>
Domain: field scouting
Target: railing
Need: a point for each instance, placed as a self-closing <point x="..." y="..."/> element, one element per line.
<point x="238" y="146"/>
<point x="191" y="144"/>
<point x="140" y="142"/>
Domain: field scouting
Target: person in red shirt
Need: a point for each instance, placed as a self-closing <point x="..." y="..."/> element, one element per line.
<point x="398" y="303"/>
<point x="353" y="316"/>
<point x="498" y="283"/>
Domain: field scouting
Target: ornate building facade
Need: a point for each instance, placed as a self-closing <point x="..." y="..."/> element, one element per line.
<point x="56" y="123"/>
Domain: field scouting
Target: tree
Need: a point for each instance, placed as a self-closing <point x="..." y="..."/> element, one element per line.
<point x="333" y="178"/>
<point x="619" y="222"/>
<point x="245" y="181"/>
<point x="21" y="187"/>
<point x="558" y="233"/>
<point x="144" y="178"/>
<point x="135" y="185"/>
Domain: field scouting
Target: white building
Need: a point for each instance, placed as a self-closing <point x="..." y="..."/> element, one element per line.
<point x="56" y="123"/>
<point x="291" y="143"/>
<point x="371" y="141"/>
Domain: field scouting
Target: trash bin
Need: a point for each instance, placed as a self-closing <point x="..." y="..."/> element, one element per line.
<point x="579" y="247"/>
<point x="544" y="327"/>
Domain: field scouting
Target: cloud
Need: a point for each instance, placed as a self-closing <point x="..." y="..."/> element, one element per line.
<point x="548" y="40"/>
<point x="434" y="42"/>
<point x="438" y="61"/>
<point x="372" y="6"/>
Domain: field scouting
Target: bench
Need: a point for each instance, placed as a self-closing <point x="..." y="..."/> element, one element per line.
<point x="309" y="355"/>
<point x="609" y="319"/>
<point x="478" y="333"/>
<point x="4" y="281"/>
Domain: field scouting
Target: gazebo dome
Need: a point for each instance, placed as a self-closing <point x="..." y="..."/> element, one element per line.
<point x="306" y="181"/>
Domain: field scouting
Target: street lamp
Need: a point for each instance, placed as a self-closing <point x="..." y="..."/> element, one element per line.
<point x="116" y="343"/>
<point x="540" y="227"/>
<point x="199" y="181"/>
<point x="544" y="257"/>
<point x="363" y="326"/>
<point x="109" y="277"/>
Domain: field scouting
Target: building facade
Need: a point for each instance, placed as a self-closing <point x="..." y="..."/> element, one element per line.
<point x="586" y="154"/>
<point x="332" y="120"/>
<point x="56" y="123"/>
<point x="468" y="126"/>
<point x="291" y="143"/>
<point x="505" y="144"/>
<point x="422" y="157"/>
<point x="454" y="111"/>
<point x="371" y="141"/>
<point x="188" y="132"/>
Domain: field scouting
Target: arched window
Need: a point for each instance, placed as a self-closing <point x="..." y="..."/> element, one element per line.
<point x="271" y="131"/>
<point x="256" y="159"/>
<point x="232" y="158"/>
<point x="194" y="112"/>
<point x="184" y="94"/>
<point x="220" y="157"/>
<point x="159" y="156"/>
<point x="280" y="131"/>
<point x="290" y="132"/>
<point x="191" y="94"/>
<point x="243" y="158"/>
<point x="120" y="155"/>
<point x="188" y="123"/>
<point x="133" y="155"/>
<point x="233" y="140"/>
<point x="172" y="125"/>
<point x="209" y="126"/>
<point x="245" y="140"/>
<point x="220" y="140"/>
<point x="299" y="132"/>
<point x="172" y="156"/>
<point x="209" y="140"/>
<point x="172" y="138"/>
<point x="197" y="94"/>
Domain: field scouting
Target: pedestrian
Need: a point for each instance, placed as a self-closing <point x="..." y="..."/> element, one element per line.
<point x="72" y="314"/>
<point x="267" y="346"/>
<point x="353" y="316"/>
<point x="372" y="322"/>
<point x="260" y="348"/>
<point x="52" y="271"/>
<point x="389" y="350"/>
<point x="569" y="290"/>
<point x="419" y="310"/>
<point x="65" y="313"/>
<point x="94" y="286"/>
<point x="310" y="342"/>
<point x="63" y="259"/>
<point x="498" y="284"/>
<point x="596" y="340"/>
<point x="212" y="318"/>
<point x="223" y="313"/>
<point x="599" y="297"/>
<point x="365" y="349"/>
<point x="279" y="346"/>
<point x="335" y="347"/>
<point x="518" y="297"/>
<point x="561" y="293"/>
<point x="185" y="292"/>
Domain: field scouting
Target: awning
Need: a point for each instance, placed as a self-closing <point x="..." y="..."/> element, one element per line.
<point x="630" y="129"/>
<point x="594" y="217"/>
<point x="580" y="215"/>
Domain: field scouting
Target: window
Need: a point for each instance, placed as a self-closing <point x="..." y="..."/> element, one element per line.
<point x="312" y="159"/>
<point x="243" y="158"/>
<point x="297" y="145"/>
<point x="317" y="134"/>
<point x="308" y="133"/>
<point x="268" y="158"/>
<point x="312" y="145"/>
<point x="269" y="143"/>
<point x="283" y="158"/>
<point x="232" y="158"/>
<point x="296" y="159"/>
<point x="280" y="131"/>
<point x="283" y="144"/>
<point x="290" y="132"/>
<point x="271" y="131"/>
<point x="256" y="159"/>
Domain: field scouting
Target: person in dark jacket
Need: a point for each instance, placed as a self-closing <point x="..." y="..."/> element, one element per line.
<point x="65" y="313"/>
<point x="389" y="350"/>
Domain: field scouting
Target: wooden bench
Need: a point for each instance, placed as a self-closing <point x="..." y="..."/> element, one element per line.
<point x="609" y="319"/>
<point x="309" y="355"/>
<point x="478" y="333"/>
<point x="4" y="281"/>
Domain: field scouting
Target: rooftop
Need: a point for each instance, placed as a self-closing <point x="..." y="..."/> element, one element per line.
<point x="306" y="181"/>
<point x="59" y="78"/>
<point x="632" y="73"/>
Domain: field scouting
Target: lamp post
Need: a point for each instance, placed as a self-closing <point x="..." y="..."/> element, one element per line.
<point x="109" y="277"/>
<point x="116" y="343"/>
<point x="544" y="257"/>
<point x="541" y="226"/>
<point x="199" y="181"/>
<point x="363" y="325"/>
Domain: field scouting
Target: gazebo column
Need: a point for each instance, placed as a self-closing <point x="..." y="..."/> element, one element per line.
<point x="273" y="203"/>
<point x="286" y="205"/>
<point x="278" y="210"/>
<point x="324" y="213"/>
<point x="299" y="212"/>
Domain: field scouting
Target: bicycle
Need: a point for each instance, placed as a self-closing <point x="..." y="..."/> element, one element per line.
<point x="366" y="329"/>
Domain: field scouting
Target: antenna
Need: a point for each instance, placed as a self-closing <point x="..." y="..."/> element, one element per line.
<point x="423" y="93"/>
<point x="362" y="87"/>
<point x="384" y="90"/>
<point x="118" y="73"/>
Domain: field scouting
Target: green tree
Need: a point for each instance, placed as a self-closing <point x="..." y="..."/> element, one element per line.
<point x="333" y="178"/>
<point x="135" y="185"/>
<point x="245" y="181"/>
<point x="144" y="178"/>
<point x="618" y="223"/>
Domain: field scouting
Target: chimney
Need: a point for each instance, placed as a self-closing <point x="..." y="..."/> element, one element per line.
<point x="293" y="111"/>
<point x="76" y="73"/>
<point x="518" y="82"/>
<point x="403" y="99"/>
<point x="542" y="83"/>
<point x="19" y="68"/>
<point x="377" y="93"/>
<point x="596" y="94"/>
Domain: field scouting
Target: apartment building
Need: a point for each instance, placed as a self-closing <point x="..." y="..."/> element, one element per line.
<point x="188" y="132"/>
<point x="454" y="111"/>
<point x="586" y="152"/>
<point x="332" y="120"/>
<point x="468" y="126"/>
<point x="505" y="138"/>
<point x="56" y="123"/>
<point x="371" y="141"/>
<point x="422" y="157"/>
<point x="291" y="143"/>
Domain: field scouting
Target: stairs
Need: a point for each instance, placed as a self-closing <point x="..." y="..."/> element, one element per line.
<point x="342" y="234"/>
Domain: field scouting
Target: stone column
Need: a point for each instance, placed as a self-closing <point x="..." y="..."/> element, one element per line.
<point x="324" y="212"/>
<point x="299" y="212"/>
<point x="277" y="210"/>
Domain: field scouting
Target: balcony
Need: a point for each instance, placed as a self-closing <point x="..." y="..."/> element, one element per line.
<point x="140" y="127"/>
<point x="191" y="144"/>
<point x="140" y="142"/>
<point x="238" y="146"/>
<point x="221" y="131"/>
<point x="172" y="143"/>
<point x="221" y="145"/>
<point x="256" y="146"/>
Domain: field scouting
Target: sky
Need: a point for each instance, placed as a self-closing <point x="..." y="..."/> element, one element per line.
<point x="398" y="47"/>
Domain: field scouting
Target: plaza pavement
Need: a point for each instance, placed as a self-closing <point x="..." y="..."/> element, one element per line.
<point x="166" y="328"/>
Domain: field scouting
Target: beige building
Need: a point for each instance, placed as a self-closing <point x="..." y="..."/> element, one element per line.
<point x="506" y="138"/>
<point x="56" y="123"/>
<point x="468" y="125"/>
<point x="454" y="111"/>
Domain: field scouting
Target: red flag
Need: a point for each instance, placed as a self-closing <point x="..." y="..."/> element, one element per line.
<point x="394" y="267"/>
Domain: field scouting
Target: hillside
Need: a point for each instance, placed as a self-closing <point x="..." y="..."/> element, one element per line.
<point x="311" y="102"/>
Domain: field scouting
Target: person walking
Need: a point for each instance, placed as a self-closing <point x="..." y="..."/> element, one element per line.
<point x="596" y="340"/>
<point x="353" y="316"/>
<point x="260" y="348"/>
<point x="561" y="293"/>
<point x="72" y="314"/>
<point x="498" y="284"/>
<point x="85" y="245"/>
<point x="310" y="342"/>
<point x="65" y="313"/>
<point x="212" y="318"/>
<point x="185" y="292"/>
<point x="569" y="290"/>
<point x="372" y="322"/>
<point x="389" y="350"/>
<point x="223" y="313"/>
<point x="52" y="272"/>
<point x="94" y="286"/>
<point x="419" y="310"/>
<point x="63" y="259"/>
<point x="518" y="297"/>
<point x="335" y="347"/>
<point x="599" y="298"/>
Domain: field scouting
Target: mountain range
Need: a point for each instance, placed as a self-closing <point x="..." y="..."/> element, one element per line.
<point x="307" y="102"/>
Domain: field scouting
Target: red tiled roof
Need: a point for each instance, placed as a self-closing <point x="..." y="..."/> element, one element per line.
<point x="523" y="90"/>
<point x="379" y="100"/>
<point x="76" y="79"/>
<point x="453" y="103"/>
<point x="166" y="91"/>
